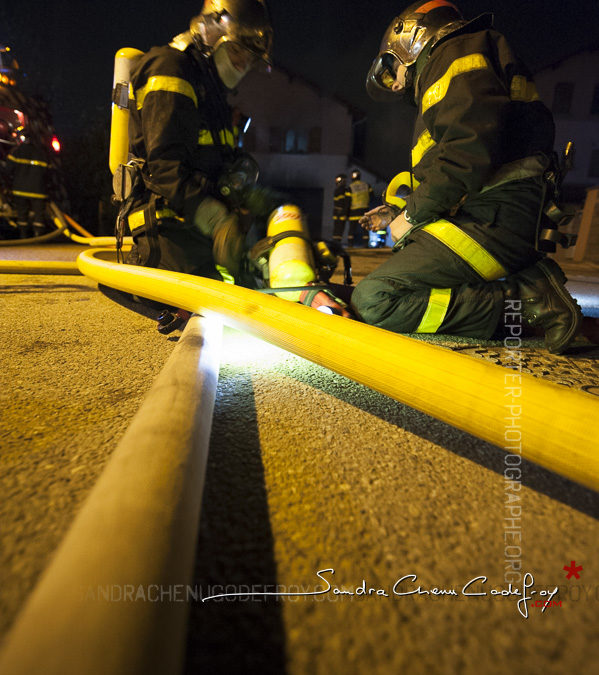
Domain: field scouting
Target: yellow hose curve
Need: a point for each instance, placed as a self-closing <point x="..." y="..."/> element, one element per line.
<point x="61" y="221"/>
<point x="61" y="226"/>
<point x="554" y="422"/>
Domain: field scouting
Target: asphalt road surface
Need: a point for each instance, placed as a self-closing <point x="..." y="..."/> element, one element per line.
<point x="307" y="472"/>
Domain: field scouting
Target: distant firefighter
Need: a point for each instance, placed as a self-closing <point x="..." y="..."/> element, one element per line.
<point x="360" y="194"/>
<point x="341" y="202"/>
<point x="29" y="164"/>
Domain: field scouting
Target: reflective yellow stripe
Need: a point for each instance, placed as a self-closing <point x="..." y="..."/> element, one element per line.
<point x="436" y="92"/>
<point x="29" y="195"/>
<point x="467" y="248"/>
<point x="225" y="274"/>
<point x="33" y="162"/>
<point x="423" y="145"/>
<point x="165" y="83"/>
<point x="438" y="302"/>
<point x="226" y="137"/>
<point x="137" y="219"/>
<point x="522" y="89"/>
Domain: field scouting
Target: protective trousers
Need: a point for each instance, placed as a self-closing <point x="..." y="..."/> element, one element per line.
<point x="179" y="249"/>
<point x="447" y="277"/>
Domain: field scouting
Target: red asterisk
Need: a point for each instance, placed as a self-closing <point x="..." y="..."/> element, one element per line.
<point x="573" y="570"/>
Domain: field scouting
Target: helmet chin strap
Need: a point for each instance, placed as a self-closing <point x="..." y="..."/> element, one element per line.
<point x="227" y="72"/>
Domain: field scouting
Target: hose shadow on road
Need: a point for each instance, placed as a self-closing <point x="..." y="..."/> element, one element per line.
<point x="235" y="547"/>
<point x="456" y="441"/>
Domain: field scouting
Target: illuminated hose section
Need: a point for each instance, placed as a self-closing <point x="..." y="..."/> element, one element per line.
<point x="470" y="394"/>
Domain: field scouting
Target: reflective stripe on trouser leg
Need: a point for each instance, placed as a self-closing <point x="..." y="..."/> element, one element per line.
<point x="462" y="244"/>
<point x="436" y="310"/>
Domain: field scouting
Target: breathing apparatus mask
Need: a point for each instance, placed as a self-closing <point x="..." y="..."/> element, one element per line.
<point x="232" y="63"/>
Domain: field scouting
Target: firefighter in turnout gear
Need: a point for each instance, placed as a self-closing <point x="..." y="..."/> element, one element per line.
<point x="360" y="194"/>
<point x="181" y="214"/>
<point x="342" y="200"/>
<point x="465" y="257"/>
<point x="29" y="164"/>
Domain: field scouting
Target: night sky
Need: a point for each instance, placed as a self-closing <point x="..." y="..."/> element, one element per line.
<point x="68" y="53"/>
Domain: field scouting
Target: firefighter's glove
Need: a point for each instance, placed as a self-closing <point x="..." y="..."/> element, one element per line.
<point x="214" y="220"/>
<point x="379" y="218"/>
<point x="323" y="300"/>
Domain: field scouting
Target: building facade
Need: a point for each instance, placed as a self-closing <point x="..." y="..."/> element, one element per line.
<point x="301" y="139"/>
<point x="571" y="90"/>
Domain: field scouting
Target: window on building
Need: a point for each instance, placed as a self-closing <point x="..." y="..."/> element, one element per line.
<point x="296" y="141"/>
<point x="275" y="142"/>
<point x="594" y="164"/>
<point x="301" y="141"/>
<point x="562" y="98"/>
<point x="290" y="141"/>
<point x="595" y="101"/>
<point x="315" y="139"/>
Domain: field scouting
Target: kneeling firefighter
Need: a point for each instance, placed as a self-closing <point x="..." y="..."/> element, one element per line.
<point x="183" y="189"/>
<point x="470" y="236"/>
<point x="188" y="194"/>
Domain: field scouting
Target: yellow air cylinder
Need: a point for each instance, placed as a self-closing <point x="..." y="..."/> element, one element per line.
<point x="124" y="61"/>
<point x="291" y="262"/>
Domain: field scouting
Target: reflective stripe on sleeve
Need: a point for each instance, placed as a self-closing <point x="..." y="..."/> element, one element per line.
<point x="175" y="85"/>
<point x="226" y="137"/>
<point x="32" y="162"/>
<point x="437" y="91"/>
<point x="523" y="90"/>
<point x="423" y="145"/>
<point x="228" y="278"/>
<point x="438" y="302"/>
<point x="462" y="244"/>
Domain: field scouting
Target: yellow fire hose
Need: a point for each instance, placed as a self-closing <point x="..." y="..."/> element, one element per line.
<point x="61" y="228"/>
<point x="551" y="425"/>
<point x="62" y="221"/>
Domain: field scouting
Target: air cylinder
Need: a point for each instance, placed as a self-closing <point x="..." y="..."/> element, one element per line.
<point x="124" y="61"/>
<point x="291" y="262"/>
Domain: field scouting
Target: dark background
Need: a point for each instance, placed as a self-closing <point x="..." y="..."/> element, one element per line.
<point x="67" y="51"/>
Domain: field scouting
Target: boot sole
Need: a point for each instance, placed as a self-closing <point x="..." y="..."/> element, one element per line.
<point x="558" y="279"/>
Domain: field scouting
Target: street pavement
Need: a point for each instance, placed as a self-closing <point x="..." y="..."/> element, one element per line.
<point x="307" y="472"/>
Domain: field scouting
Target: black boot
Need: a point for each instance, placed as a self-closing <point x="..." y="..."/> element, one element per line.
<point x="546" y="303"/>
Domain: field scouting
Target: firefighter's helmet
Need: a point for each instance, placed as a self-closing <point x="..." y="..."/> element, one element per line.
<point x="356" y="175"/>
<point x="408" y="34"/>
<point x="243" y="22"/>
<point x="340" y="178"/>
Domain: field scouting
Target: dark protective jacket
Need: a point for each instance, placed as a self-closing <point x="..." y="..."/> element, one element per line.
<point x="342" y="200"/>
<point x="478" y="114"/>
<point x="180" y="125"/>
<point x="29" y="164"/>
<point x="360" y="195"/>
